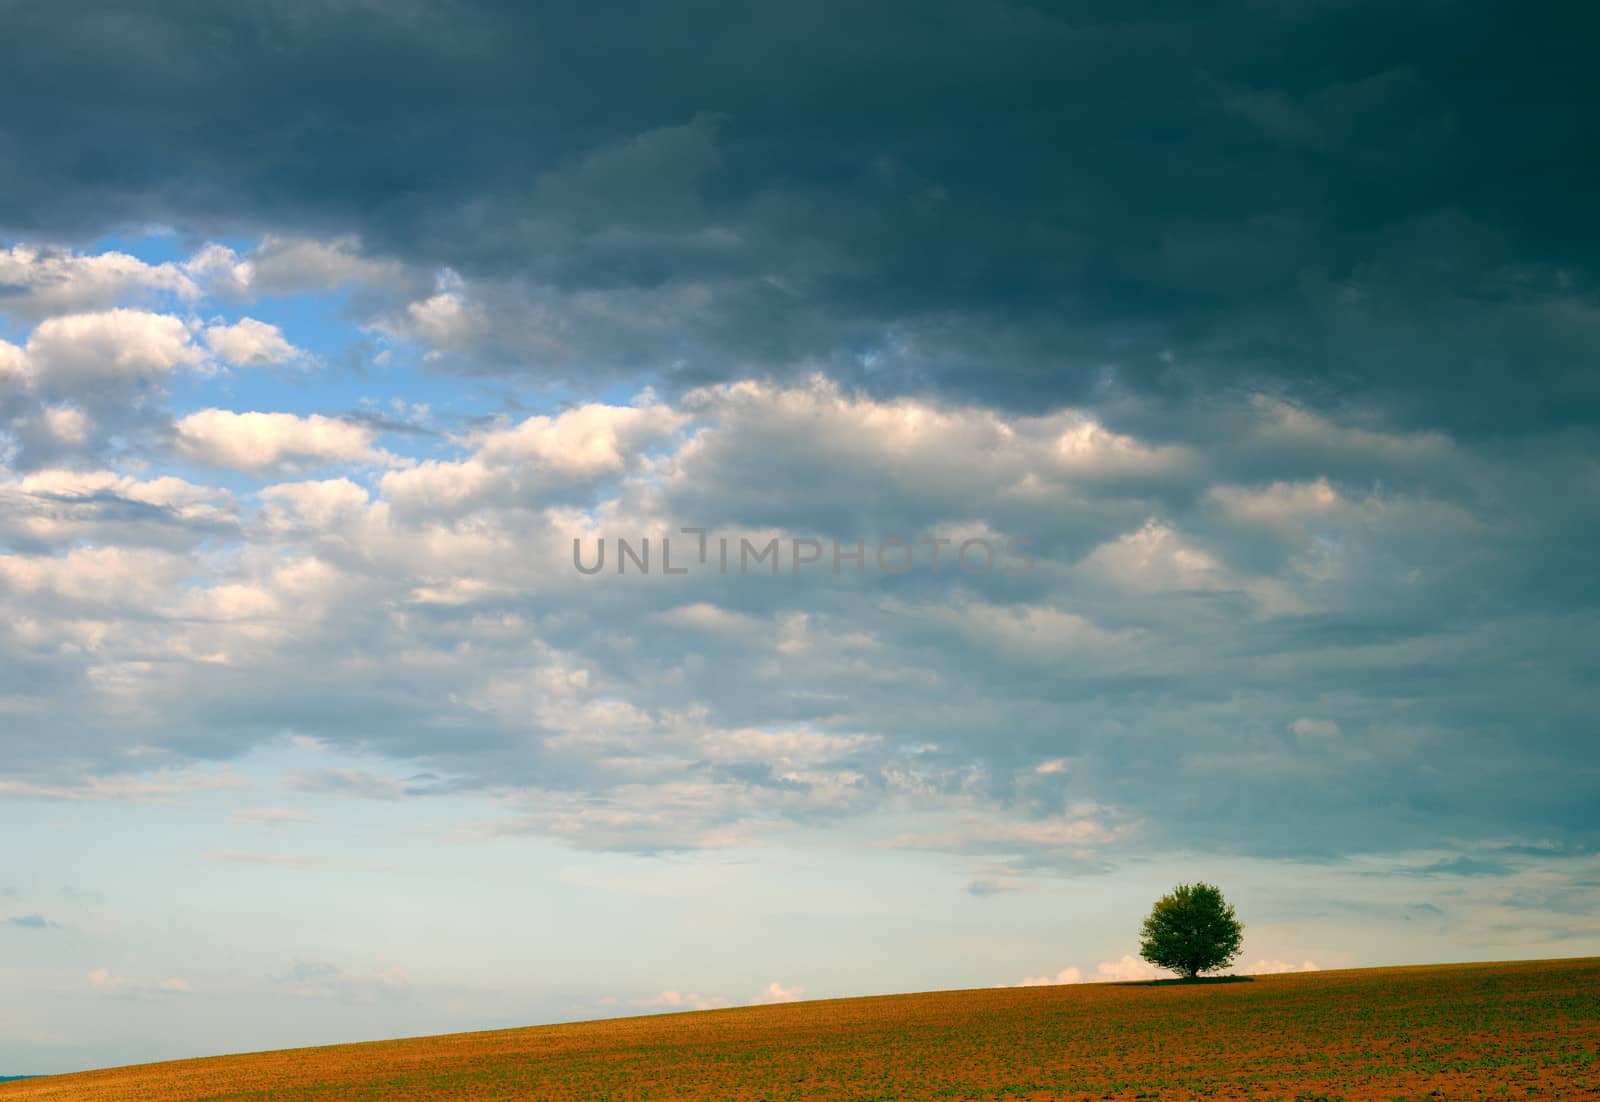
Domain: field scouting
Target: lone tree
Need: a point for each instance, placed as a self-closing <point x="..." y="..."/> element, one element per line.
<point x="1193" y="930"/>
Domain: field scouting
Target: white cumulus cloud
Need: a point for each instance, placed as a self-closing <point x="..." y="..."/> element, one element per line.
<point x="254" y="441"/>
<point x="79" y="350"/>
<point x="250" y="343"/>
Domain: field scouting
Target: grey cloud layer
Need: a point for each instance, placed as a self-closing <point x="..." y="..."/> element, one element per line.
<point x="1354" y="656"/>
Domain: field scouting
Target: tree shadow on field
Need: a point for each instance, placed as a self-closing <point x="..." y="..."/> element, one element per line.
<point x="1196" y="982"/>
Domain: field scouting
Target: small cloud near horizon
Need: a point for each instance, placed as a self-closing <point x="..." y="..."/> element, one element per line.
<point x="103" y="981"/>
<point x="670" y="1001"/>
<point x="35" y="921"/>
<point x="1132" y="968"/>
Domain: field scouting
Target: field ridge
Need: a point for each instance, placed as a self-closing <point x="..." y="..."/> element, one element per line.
<point x="1492" y="1029"/>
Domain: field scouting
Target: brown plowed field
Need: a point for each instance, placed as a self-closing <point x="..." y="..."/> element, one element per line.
<point x="1508" y="1030"/>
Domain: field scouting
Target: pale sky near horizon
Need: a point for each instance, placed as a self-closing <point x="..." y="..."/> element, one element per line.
<point x="1268" y="341"/>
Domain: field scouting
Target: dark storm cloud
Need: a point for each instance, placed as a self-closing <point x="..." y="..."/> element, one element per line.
<point x="1343" y="200"/>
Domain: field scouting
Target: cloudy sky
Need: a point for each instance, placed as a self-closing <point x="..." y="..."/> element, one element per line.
<point x="1258" y="343"/>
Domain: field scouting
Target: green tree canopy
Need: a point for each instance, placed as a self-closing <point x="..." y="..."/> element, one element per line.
<point x="1191" y="931"/>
